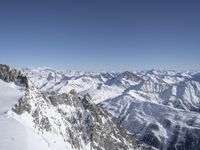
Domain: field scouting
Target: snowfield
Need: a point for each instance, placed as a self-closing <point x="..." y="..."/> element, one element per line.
<point x="14" y="135"/>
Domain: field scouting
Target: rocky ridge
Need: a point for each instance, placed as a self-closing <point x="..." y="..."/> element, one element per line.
<point x="12" y="75"/>
<point x="67" y="121"/>
<point x="77" y="122"/>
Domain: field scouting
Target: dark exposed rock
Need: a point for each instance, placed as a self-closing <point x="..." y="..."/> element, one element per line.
<point x="190" y="139"/>
<point x="166" y="123"/>
<point x="5" y="73"/>
<point x="45" y="124"/>
<point x="58" y="99"/>
<point x="152" y="126"/>
<point x="23" y="80"/>
<point x="22" y="106"/>
<point x="12" y="75"/>
<point x="36" y="113"/>
<point x="151" y="139"/>
<point x="190" y="121"/>
<point x="73" y="92"/>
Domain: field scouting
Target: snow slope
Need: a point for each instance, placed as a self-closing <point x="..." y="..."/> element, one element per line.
<point x="14" y="135"/>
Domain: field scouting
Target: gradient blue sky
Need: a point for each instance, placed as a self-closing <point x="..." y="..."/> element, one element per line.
<point x="101" y="35"/>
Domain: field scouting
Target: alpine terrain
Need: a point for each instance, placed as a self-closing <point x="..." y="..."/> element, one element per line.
<point x="32" y="118"/>
<point x="43" y="108"/>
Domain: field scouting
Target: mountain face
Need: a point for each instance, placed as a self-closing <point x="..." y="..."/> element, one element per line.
<point x="57" y="121"/>
<point x="67" y="121"/>
<point x="160" y="108"/>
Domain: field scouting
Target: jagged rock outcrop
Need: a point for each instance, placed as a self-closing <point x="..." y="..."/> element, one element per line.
<point x="7" y="74"/>
<point x="12" y="75"/>
<point x="22" y="106"/>
<point x="73" y="121"/>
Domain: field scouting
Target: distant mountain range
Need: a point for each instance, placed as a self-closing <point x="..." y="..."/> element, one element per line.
<point x="32" y="119"/>
<point x="153" y="109"/>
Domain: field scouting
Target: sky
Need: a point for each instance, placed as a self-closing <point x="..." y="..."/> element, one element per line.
<point x="101" y="34"/>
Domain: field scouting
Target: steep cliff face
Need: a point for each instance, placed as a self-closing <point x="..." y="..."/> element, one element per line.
<point x="67" y="121"/>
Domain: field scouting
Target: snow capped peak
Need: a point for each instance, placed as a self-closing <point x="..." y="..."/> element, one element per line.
<point x="58" y="121"/>
<point x="68" y="121"/>
<point x="75" y="110"/>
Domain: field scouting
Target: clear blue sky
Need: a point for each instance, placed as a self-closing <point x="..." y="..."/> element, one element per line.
<point x="101" y="34"/>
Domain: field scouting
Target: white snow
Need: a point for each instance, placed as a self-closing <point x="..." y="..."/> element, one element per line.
<point x="13" y="134"/>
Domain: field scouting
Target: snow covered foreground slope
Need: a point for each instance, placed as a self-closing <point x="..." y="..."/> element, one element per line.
<point x="31" y="119"/>
<point x="15" y="135"/>
<point x="161" y="108"/>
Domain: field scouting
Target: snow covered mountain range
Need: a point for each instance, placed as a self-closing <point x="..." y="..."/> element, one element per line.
<point x="33" y="119"/>
<point x="75" y="110"/>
